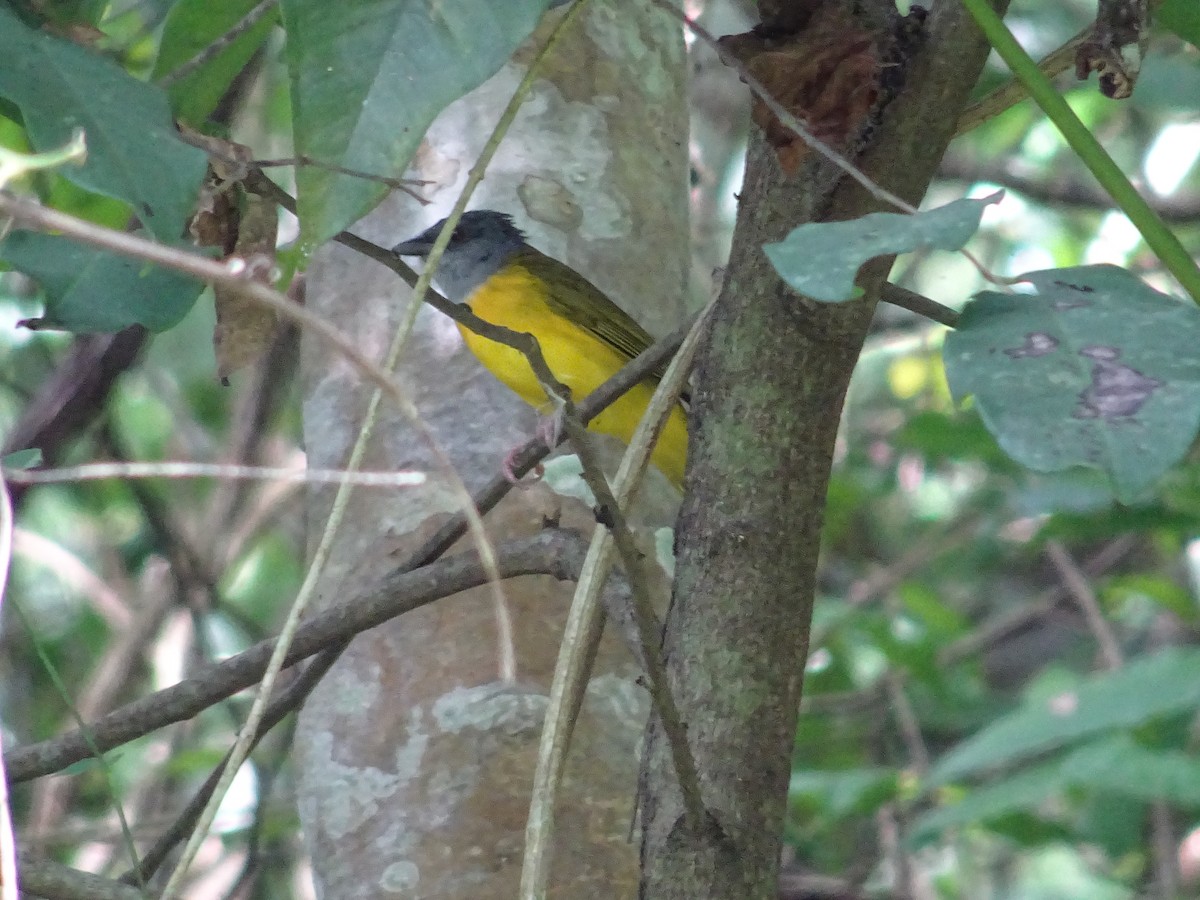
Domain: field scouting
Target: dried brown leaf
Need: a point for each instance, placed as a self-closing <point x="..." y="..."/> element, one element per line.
<point x="827" y="76"/>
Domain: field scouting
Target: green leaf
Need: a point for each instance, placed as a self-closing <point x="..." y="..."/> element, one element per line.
<point x="87" y="290"/>
<point x="1096" y="370"/>
<point x="1112" y="766"/>
<point x="1112" y="822"/>
<point x="1152" y="686"/>
<point x="820" y="259"/>
<point x="1181" y="17"/>
<point x="1159" y="589"/>
<point x="193" y="761"/>
<point x="22" y="459"/>
<point x="939" y="436"/>
<point x="86" y="765"/>
<point x="191" y="26"/>
<point x="923" y="602"/>
<point x="367" y="78"/>
<point x="1119" y="765"/>
<point x="1030" y="831"/>
<point x="1021" y="792"/>
<point x="1168" y="83"/>
<point x="134" y="153"/>
<point x="842" y="793"/>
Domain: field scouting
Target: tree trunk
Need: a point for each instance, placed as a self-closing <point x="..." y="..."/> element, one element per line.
<point x="416" y="753"/>
<point x="770" y="387"/>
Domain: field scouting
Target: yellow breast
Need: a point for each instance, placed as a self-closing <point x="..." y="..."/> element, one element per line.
<point x="518" y="299"/>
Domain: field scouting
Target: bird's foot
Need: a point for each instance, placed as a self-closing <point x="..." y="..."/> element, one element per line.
<point x="550" y="429"/>
<point x="508" y="466"/>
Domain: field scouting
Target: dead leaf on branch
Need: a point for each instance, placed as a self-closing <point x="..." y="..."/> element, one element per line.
<point x="1116" y="47"/>
<point x="244" y="330"/>
<point x="827" y="75"/>
<point x="243" y="225"/>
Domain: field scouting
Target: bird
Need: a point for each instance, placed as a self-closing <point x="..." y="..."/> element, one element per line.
<point x="584" y="336"/>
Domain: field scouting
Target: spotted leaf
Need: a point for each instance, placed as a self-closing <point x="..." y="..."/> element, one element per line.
<point x="1096" y="369"/>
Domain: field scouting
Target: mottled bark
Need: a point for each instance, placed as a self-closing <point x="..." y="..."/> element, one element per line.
<point x="415" y="754"/>
<point x="770" y="389"/>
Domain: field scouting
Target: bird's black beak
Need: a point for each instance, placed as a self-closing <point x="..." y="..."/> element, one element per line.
<point x="419" y="245"/>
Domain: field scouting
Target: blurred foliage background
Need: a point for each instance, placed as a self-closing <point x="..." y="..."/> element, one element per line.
<point x="1004" y="680"/>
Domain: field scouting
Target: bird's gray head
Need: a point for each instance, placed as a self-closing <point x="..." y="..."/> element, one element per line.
<point x="482" y="243"/>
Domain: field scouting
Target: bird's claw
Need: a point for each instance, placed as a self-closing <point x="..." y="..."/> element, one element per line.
<point x="508" y="466"/>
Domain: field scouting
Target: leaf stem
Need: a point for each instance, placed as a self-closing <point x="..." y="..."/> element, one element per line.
<point x="1157" y="236"/>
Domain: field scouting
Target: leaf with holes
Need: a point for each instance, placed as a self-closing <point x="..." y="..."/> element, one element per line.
<point x="821" y="259"/>
<point x="1097" y="370"/>
<point x="134" y="153"/>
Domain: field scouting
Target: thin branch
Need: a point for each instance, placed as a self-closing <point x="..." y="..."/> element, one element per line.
<point x="72" y="396"/>
<point x="265" y="846"/>
<point x="112" y="675"/>
<point x="46" y="878"/>
<point x="1163" y="841"/>
<point x="287" y="700"/>
<point x="649" y="629"/>
<point x="232" y="274"/>
<point x="265" y="393"/>
<point x="894" y="854"/>
<point x="8" y="843"/>
<point x="169" y="469"/>
<point x="919" y="304"/>
<point x="244" y="24"/>
<point x="1061" y="188"/>
<point x="1166" y="847"/>
<point x="584" y="625"/>
<point x="71" y="571"/>
<point x="1013" y="92"/>
<point x="556" y="553"/>
<point x="995" y="629"/>
<point x="398" y="184"/>
<point x="1078" y="587"/>
<point x="910" y="725"/>
<point x="785" y="118"/>
<point x="90" y="747"/>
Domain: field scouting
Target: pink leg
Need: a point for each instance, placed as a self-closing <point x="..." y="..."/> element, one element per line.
<point x="506" y="469"/>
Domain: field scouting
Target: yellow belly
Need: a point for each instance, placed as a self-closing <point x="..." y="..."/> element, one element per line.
<point x="581" y="361"/>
